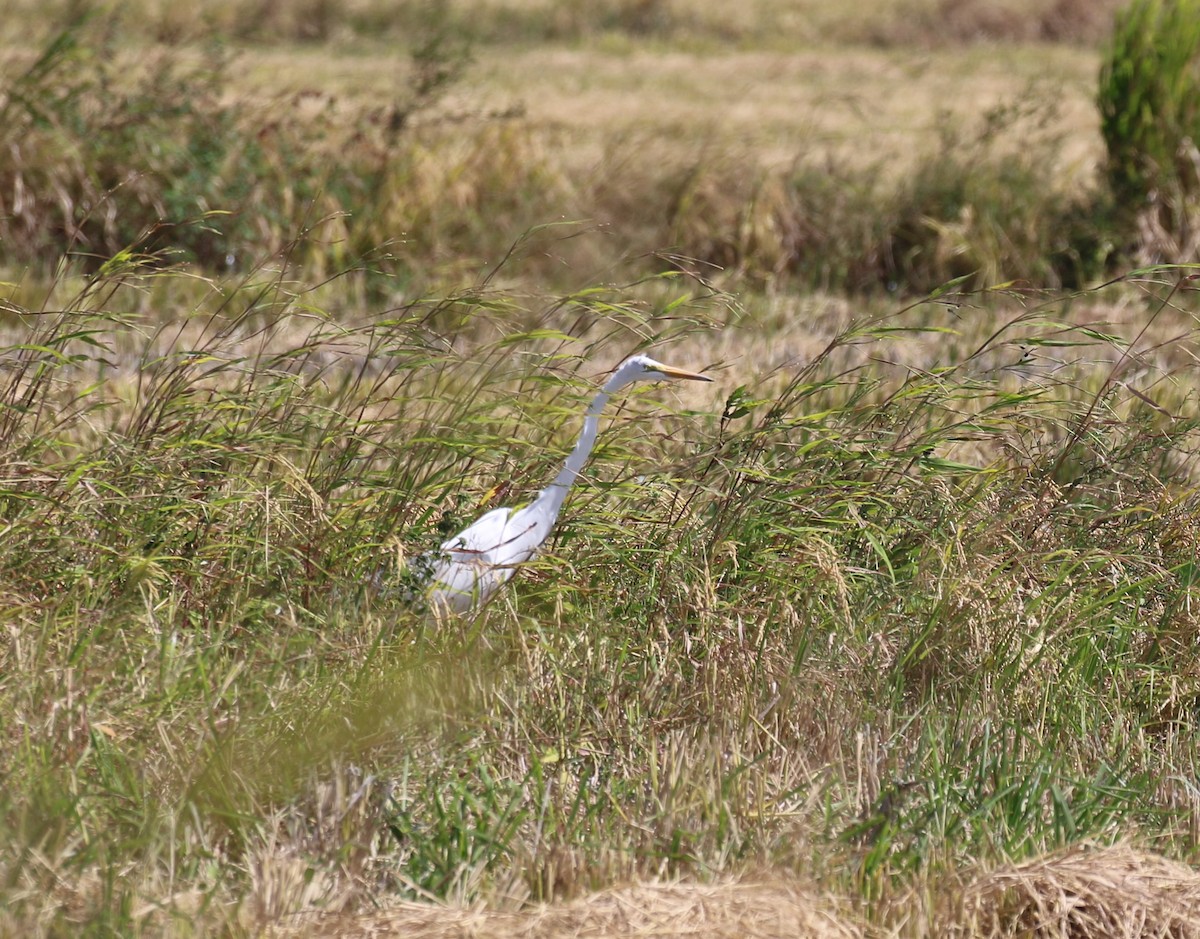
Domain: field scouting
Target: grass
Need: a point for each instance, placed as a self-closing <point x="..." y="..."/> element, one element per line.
<point x="790" y="627"/>
<point x="501" y="22"/>
<point x="759" y="166"/>
<point x="890" y="631"/>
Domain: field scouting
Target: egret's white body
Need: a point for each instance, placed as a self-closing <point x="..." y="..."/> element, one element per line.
<point x="481" y="557"/>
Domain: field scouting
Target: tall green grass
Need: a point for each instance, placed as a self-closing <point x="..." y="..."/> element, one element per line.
<point x="920" y="602"/>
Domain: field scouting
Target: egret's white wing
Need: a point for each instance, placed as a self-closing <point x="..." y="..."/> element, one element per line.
<point x="465" y="570"/>
<point x="481" y="557"/>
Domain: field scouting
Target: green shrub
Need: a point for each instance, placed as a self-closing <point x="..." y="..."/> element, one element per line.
<point x="1149" y="101"/>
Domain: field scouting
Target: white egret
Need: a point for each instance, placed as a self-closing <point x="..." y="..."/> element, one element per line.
<point x="480" y="558"/>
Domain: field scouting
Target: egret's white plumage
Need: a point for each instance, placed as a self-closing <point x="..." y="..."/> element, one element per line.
<point x="481" y="557"/>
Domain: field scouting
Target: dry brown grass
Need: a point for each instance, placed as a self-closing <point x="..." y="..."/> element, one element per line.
<point x="778" y="22"/>
<point x="1084" y="893"/>
<point x="954" y="22"/>
<point x="759" y="158"/>
<point x="771" y="106"/>
<point x="754" y="159"/>
<point x="746" y="909"/>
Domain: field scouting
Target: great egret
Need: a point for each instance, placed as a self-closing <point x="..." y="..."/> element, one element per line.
<point x="480" y="558"/>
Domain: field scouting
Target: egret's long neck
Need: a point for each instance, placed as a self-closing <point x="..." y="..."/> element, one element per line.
<point x="554" y="494"/>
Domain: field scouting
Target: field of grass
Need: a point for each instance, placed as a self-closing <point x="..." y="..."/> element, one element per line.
<point x="889" y="631"/>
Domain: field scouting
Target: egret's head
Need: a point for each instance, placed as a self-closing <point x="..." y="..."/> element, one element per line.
<point x="644" y="368"/>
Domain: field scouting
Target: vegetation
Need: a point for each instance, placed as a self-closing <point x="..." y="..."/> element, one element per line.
<point x="1148" y="98"/>
<point x="895" y="629"/>
<point x="102" y="153"/>
<point x="1150" y="118"/>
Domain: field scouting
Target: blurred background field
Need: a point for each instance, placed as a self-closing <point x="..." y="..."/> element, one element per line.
<point x="891" y="149"/>
<point x="891" y="631"/>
